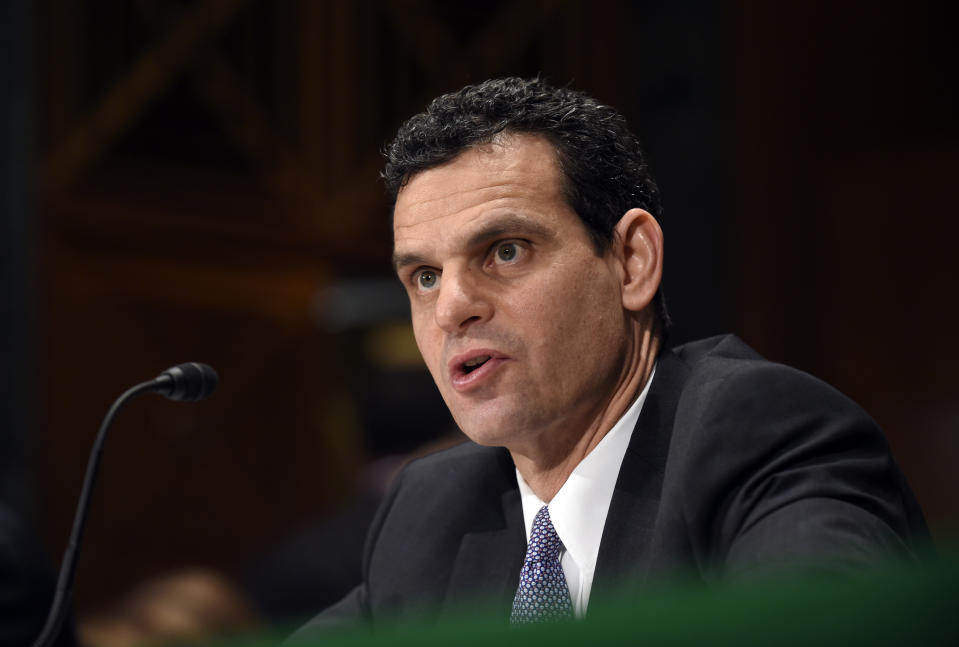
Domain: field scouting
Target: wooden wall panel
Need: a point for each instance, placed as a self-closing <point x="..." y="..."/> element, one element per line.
<point x="845" y="212"/>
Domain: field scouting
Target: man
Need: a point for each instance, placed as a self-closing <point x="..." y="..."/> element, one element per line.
<point x="526" y="235"/>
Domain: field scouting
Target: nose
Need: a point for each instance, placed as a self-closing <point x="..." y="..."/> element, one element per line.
<point x="461" y="302"/>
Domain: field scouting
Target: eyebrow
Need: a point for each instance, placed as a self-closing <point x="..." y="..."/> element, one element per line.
<point x="404" y="260"/>
<point x="495" y="227"/>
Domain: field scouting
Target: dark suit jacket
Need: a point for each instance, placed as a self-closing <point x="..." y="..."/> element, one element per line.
<point x="736" y="465"/>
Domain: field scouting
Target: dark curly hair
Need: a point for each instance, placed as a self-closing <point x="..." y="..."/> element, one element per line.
<point x="603" y="165"/>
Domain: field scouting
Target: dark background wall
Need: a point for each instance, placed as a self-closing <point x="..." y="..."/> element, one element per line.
<point x="182" y="180"/>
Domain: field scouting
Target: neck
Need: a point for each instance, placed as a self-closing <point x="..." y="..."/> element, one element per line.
<point x="547" y="465"/>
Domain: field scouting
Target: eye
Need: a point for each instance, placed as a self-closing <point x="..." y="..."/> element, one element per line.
<point x="426" y="279"/>
<point x="507" y="252"/>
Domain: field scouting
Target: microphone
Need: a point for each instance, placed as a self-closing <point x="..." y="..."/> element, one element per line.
<point x="186" y="383"/>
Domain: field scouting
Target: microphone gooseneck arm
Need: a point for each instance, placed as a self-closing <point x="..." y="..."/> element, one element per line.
<point x="68" y="567"/>
<point x="184" y="382"/>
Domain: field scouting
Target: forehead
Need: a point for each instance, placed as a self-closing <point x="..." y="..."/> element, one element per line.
<point x="516" y="174"/>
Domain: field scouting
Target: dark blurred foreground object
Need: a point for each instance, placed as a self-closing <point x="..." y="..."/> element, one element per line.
<point x="26" y="586"/>
<point x="400" y="415"/>
<point x="316" y="566"/>
<point x="313" y="567"/>
<point x="893" y="606"/>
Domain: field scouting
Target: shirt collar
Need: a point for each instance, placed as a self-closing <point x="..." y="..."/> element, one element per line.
<point x="579" y="509"/>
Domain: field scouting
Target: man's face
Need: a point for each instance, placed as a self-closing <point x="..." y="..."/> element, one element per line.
<point x="519" y="321"/>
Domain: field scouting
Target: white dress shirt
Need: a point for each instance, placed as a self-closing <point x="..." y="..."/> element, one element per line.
<point x="579" y="509"/>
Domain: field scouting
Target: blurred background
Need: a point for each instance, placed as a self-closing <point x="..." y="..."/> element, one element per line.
<point x="197" y="181"/>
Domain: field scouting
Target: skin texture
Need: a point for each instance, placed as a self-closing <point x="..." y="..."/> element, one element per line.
<point x="497" y="264"/>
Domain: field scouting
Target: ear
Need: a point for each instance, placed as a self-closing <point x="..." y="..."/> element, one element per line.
<point x="640" y="251"/>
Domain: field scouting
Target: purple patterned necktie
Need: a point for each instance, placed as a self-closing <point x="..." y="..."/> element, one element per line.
<point x="543" y="595"/>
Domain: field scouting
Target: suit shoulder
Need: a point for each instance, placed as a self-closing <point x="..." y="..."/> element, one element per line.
<point x="724" y="370"/>
<point x="774" y="462"/>
<point x="463" y="463"/>
<point x="717" y="358"/>
<point x="740" y="407"/>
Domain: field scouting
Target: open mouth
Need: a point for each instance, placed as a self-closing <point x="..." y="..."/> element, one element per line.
<point x="471" y="365"/>
<point x="472" y="369"/>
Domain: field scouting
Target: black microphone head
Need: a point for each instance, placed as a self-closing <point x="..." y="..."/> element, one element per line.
<point x="187" y="382"/>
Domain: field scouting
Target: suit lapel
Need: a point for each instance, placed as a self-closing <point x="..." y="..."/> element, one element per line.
<point x="625" y="548"/>
<point x="491" y="552"/>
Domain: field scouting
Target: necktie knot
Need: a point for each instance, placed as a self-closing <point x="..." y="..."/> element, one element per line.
<point x="544" y="543"/>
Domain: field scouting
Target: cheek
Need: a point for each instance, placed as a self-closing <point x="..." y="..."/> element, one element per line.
<point x="426" y="340"/>
<point x="580" y="312"/>
<point x="574" y="296"/>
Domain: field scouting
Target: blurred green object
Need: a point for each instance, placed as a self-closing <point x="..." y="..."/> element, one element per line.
<point x="890" y="607"/>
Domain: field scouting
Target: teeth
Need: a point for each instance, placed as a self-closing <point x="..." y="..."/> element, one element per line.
<point x="476" y="361"/>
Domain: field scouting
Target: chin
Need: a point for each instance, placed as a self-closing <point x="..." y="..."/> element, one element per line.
<point x="497" y="420"/>
<point x="481" y="434"/>
<point x="489" y="430"/>
<point x="488" y="439"/>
